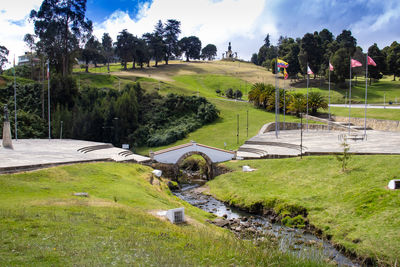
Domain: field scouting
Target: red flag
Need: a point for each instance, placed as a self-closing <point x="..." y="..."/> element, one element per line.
<point x="330" y="67"/>
<point x="355" y="63"/>
<point x="309" y="71"/>
<point x="371" y="61"/>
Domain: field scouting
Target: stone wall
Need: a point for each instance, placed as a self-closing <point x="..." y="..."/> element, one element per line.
<point x="381" y="125"/>
<point x="270" y="127"/>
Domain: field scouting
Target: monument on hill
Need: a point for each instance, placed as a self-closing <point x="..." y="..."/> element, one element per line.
<point x="7" y="142"/>
<point x="229" y="55"/>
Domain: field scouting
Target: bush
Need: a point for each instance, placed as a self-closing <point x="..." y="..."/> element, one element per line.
<point x="237" y="94"/>
<point x="229" y="93"/>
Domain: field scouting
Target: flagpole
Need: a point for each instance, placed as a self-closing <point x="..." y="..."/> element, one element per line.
<point x="15" y="105"/>
<point x="48" y="96"/>
<point x="366" y="95"/>
<point x="329" y="105"/>
<point x="284" y="104"/>
<point x="276" y="100"/>
<point x="308" y="77"/>
<point x="350" y="97"/>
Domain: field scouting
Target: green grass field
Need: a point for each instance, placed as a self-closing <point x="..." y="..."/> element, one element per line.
<point x="224" y="129"/>
<point x="43" y="224"/>
<point x="354" y="207"/>
<point x="382" y="114"/>
<point x="377" y="91"/>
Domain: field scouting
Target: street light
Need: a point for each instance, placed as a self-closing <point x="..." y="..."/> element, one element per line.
<point x="115" y="120"/>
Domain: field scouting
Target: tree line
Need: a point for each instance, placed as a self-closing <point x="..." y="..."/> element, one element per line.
<point x="319" y="48"/>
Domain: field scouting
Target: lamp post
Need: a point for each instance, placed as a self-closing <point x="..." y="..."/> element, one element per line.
<point x="115" y="120"/>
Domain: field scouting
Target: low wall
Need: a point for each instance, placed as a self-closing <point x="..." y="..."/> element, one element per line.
<point x="381" y="125"/>
<point x="270" y="127"/>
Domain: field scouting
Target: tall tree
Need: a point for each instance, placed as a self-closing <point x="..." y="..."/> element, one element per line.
<point x="3" y="57"/>
<point x="171" y="33"/>
<point x="29" y="39"/>
<point x="326" y="40"/>
<point x="209" y="52"/>
<point x="142" y="54"/>
<point x="267" y="42"/>
<point x="60" y="25"/>
<point x="107" y="45"/>
<point x="310" y="53"/>
<point x="124" y="47"/>
<point x="346" y="44"/>
<point x="156" y="48"/>
<point x="289" y="49"/>
<point x="376" y="72"/>
<point x="191" y="46"/>
<point x="254" y="59"/>
<point x="393" y="59"/>
<point x="91" y="52"/>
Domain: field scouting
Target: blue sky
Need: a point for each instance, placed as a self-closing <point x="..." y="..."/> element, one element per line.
<point x="245" y="23"/>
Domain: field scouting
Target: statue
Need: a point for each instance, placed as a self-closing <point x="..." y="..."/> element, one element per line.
<point x="229" y="55"/>
<point x="6" y="119"/>
<point x="7" y="141"/>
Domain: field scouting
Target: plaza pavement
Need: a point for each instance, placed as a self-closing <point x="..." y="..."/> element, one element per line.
<point x="319" y="142"/>
<point x="36" y="153"/>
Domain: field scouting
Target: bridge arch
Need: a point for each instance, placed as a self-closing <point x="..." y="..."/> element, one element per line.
<point x="210" y="164"/>
<point x="176" y="155"/>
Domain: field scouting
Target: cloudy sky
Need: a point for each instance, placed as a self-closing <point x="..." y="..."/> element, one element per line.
<point x="245" y="23"/>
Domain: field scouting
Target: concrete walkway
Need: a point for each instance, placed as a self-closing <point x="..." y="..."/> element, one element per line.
<point x="319" y="142"/>
<point x="387" y="106"/>
<point x="36" y="153"/>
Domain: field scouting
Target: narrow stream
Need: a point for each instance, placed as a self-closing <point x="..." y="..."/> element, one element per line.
<point x="292" y="240"/>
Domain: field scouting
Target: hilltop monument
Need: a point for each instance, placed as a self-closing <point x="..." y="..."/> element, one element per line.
<point x="229" y="55"/>
<point x="7" y="142"/>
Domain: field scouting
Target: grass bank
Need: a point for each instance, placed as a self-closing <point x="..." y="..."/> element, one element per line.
<point x="43" y="224"/>
<point x="383" y="90"/>
<point x="372" y="113"/>
<point x="224" y="130"/>
<point x="354" y="207"/>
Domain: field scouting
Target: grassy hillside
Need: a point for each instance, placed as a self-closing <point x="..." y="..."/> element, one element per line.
<point x="382" y="114"/>
<point x="354" y="207"/>
<point x="43" y="224"/>
<point x="224" y="130"/>
<point x="376" y="91"/>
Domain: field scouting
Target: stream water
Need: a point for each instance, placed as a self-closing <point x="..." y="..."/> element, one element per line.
<point x="295" y="241"/>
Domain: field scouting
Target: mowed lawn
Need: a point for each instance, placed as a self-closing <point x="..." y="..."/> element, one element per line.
<point x="373" y="113"/>
<point x="383" y="90"/>
<point x="353" y="207"/>
<point x="43" y="224"/>
<point x="224" y="130"/>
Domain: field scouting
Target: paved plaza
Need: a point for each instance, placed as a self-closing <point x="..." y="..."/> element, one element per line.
<point x="35" y="153"/>
<point x="319" y="142"/>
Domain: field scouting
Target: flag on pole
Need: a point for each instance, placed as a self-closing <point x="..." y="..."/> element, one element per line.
<point x="371" y="61"/>
<point x="355" y="63"/>
<point x="309" y="71"/>
<point x="285" y="74"/>
<point x="330" y="67"/>
<point x="282" y="64"/>
<point x="48" y="70"/>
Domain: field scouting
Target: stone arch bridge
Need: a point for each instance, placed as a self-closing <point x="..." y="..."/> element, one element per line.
<point x="176" y="155"/>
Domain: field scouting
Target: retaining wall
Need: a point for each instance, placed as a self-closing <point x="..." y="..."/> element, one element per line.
<point x="381" y="125"/>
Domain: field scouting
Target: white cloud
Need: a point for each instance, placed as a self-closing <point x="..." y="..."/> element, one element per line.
<point x="14" y="24"/>
<point x="216" y="22"/>
<point x="379" y="28"/>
